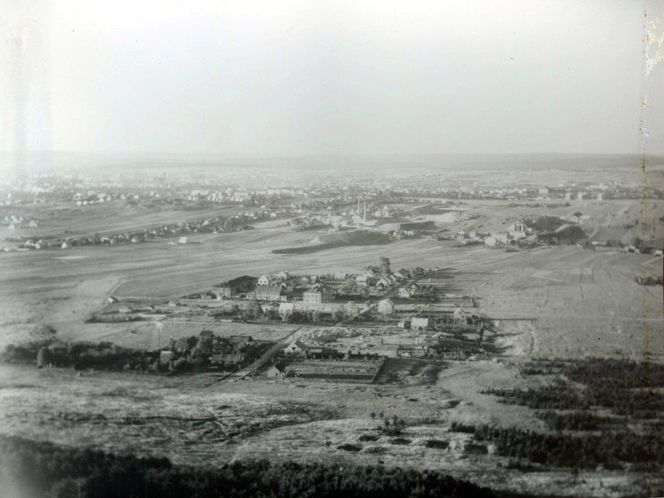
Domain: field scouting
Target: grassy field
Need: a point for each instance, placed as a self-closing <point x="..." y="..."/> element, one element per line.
<point x="550" y="301"/>
<point x="198" y="420"/>
<point x="583" y="301"/>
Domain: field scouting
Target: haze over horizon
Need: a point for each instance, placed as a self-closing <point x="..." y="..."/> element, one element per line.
<point x="246" y="79"/>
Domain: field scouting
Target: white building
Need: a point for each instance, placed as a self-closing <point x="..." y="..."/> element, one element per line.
<point x="419" y="323"/>
<point x="403" y="292"/>
<point x="264" y="280"/>
<point x="312" y="297"/>
<point x="285" y="309"/>
<point x="386" y="307"/>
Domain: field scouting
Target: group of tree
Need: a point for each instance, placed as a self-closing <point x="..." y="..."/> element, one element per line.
<point x="614" y="450"/>
<point x="50" y="470"/>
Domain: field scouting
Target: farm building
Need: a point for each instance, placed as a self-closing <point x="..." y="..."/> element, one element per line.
<point x="403" y="293"/>
<point x="276" y="371"/>
<point x="285" y="309"/>
<point x="386" y="307"/>
<point x="264" y="280"/>
<point x="312" y="297"/>
<point x="295" y="347"/>
<point x="165" y="357"/>
<point x="237" y="287"/>
<point x="419" y="323"/>
<point x="222" y="292"/>
<point x="268" y="292"/>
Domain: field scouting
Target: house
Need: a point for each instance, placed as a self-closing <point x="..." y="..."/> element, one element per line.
<point x="403" y="292"/>
<point x="240" y="340"/>
<point x="276" y="371"/>
<point x="312" y="297"/>
<point x="264" y="280"/>
<point x="361" y="280"/>
<point x="286" y="309"/>
<point x="419" y="323"/>
<point x="238" y="286"/>
<point x="222" y="292"/>
<point x="268" y="292"/>
<point x="295" y="347"/>
<point x="389" y="350"/>
<point x="518" y="230"/>
<point x="401" y="274"/>
<point x="386" y="307"/>
<point x="165" y="357"/>
<point x="226" y="359"/>
<point x="322" y="353"/>
<point x="459" y="315"/>
<point x="383" y="283"/>
<point x="416" y="351"/>
<point x="496" y="239"/>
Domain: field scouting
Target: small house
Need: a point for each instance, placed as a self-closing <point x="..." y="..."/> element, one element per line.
<point x="268" y="292"/>
<point x="264" y="280"/>
<point x="295" y="347"/>
<point x="383" y="283"/>
<point x="165" y="357"/>
<point x="285" y="309"/>
<point x="403" y="293"/>
<point x="222" y="292"/>
<point x="312" y="297"/>
<point x="386" y="307"/>
<point x="276" y="371"/>
<point x="419" y="323"/>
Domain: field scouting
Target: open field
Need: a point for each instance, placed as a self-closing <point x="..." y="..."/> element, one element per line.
<point x="583" y="301"/>
<point x="108" y="217"/>
<point x="549" y="301"/>
<point x="197" y="420"/>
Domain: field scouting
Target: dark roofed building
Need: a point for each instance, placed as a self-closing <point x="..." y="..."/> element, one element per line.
<point x="237" y="286"/>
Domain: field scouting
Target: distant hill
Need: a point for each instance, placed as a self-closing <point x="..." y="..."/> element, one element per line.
<point x="314" y="165"/>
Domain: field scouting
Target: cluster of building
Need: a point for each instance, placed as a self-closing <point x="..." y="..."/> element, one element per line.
<point x="403" y="297"/>
<point x="348" y="294"/>
<point x="13" y="222"/>
<point x="526" y="233"/>
<point x="205" y="225"/>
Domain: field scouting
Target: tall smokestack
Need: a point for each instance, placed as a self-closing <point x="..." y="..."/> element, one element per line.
<point x="365" y="210"/>
<point x="358" y="206"/>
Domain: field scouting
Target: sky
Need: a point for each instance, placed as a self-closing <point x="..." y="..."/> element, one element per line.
<point x="255" y="78"/>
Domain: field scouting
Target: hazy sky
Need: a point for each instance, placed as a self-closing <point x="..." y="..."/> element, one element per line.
<point x="321" y="77"/>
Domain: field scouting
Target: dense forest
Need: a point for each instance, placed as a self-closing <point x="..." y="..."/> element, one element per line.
<point x="45" y="469"/>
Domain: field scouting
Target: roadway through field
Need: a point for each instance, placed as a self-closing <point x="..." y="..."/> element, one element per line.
<point x="268" y="355"/>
